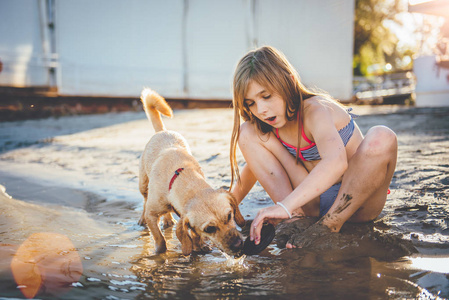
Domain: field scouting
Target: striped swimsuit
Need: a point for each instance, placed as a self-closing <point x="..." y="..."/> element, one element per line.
<point x="310" y="153"/>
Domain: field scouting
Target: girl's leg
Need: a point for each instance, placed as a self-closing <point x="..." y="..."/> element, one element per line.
<point x="363" y="190"/>
<point x="365" y="184"/>
<point x="273" y="166"/>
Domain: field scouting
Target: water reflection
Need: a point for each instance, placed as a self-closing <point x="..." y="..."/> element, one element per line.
<point x="119" y="262"/>
<point x="292" y="273"/>
<point x="434" y="264"/>
<point x="207" y="275"/>
<point x="274" y="273"/>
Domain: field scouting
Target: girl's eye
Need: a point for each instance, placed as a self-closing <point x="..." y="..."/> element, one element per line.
<point x="266" y="97"/>
<point x="210" y="229"/>
<point x="249" y="104"/>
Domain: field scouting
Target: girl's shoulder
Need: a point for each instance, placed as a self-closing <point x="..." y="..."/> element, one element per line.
<point x="320" y="103"/>
<point x="318" y="107"/>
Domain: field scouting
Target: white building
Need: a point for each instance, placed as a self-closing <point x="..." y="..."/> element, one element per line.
<point x="432" y="71"/>
<point x="181" y="48"/>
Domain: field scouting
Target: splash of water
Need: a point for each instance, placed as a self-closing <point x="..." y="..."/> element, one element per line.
<point x="234" y="262"/>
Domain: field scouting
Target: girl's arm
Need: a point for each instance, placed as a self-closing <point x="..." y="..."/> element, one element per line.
<point x="332" y="166"/>
<point x="244" y="185"/>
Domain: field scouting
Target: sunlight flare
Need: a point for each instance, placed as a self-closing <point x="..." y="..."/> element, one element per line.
<point x="46" y="261"/>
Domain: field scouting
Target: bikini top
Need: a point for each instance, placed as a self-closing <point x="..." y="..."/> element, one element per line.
<point x="310" y="152"/>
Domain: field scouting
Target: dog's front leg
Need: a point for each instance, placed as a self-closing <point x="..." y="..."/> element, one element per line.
<point x="153" y="224"/>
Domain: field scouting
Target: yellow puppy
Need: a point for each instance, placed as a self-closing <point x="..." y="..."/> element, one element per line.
<point x="171" y="180"/>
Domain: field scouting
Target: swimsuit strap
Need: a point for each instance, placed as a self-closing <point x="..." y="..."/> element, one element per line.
<point x="291" y="146"/>
<point x="304" y="136"/>
<point x="312" y="143"/>
<point x="355" y="116"/>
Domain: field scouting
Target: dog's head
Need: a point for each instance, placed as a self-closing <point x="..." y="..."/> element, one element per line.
<point x="212" y="214"/>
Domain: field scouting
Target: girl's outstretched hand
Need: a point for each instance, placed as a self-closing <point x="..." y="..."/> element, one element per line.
<point x="272" y="214"/>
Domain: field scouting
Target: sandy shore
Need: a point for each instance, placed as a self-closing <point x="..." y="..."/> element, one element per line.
<point x="77" y="176"/>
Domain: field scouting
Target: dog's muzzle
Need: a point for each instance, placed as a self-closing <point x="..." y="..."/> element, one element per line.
<point x="236" y="244"/>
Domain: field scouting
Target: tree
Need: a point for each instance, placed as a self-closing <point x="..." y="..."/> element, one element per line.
<point x="374" y="42"/>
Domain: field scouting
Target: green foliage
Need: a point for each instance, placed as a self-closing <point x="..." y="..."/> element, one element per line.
<point x="375" y="43"/>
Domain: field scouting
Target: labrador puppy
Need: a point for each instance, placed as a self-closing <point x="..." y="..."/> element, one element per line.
<point x="171" y="180"/>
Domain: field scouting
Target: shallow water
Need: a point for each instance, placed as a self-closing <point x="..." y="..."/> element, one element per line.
<point x="118" y="262"/>
<point x="96" y="205"/>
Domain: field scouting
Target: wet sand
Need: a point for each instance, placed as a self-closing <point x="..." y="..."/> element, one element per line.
<point x="77" y="176"/>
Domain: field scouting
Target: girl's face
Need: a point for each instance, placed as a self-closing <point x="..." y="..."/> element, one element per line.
<point x="265" y="105"/>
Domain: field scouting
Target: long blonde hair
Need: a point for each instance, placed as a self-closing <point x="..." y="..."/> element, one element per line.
<point x="269" y="68"/>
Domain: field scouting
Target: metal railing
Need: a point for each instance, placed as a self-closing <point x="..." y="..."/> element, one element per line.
<point x="381" y="87"/>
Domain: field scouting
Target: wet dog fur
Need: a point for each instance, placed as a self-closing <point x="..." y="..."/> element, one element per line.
<point x="204" y="213"/>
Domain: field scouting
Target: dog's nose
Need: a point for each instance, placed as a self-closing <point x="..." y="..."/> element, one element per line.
<point x="237" y="244"/>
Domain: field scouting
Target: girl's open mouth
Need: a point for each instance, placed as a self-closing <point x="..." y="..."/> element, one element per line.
<point x="270" y="120"/>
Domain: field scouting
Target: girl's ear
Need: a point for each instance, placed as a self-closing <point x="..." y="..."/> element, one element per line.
<point x="182" y="232"/>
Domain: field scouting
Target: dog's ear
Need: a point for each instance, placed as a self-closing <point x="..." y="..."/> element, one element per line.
<point x="237" y="214"/>
<point x="182" y="232"/>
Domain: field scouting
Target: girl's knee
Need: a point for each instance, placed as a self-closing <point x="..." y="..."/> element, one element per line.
<point x="247" y="131"/>
<point x="382" y="132"/>
<point x="380" y="140"/>
<point x="248" y="134"/>
<point x="248" y="139"/>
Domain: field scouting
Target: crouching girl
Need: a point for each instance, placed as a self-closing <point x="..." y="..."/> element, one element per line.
<point x="305" y="149"/>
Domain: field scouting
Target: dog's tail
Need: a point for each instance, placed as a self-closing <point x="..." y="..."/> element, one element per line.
<point x="155" y="105"/>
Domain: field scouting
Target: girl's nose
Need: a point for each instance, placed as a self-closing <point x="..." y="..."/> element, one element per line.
<point x="261" y="108"/>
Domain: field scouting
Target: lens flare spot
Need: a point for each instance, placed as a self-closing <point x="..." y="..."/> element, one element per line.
<point x="46" y="261"/>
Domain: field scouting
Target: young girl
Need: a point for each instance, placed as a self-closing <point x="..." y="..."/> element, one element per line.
<point x="305" y="149"/>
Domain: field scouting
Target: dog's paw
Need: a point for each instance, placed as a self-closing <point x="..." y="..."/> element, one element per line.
<point x="161" y="248"/>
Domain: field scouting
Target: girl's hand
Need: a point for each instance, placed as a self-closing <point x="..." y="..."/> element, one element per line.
<point x="272" y="214"/>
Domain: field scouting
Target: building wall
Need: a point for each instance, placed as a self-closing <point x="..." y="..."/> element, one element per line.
<point x="181" y="48"/>
<point x="21" y="48"/>
<point x="432" y="82"/>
